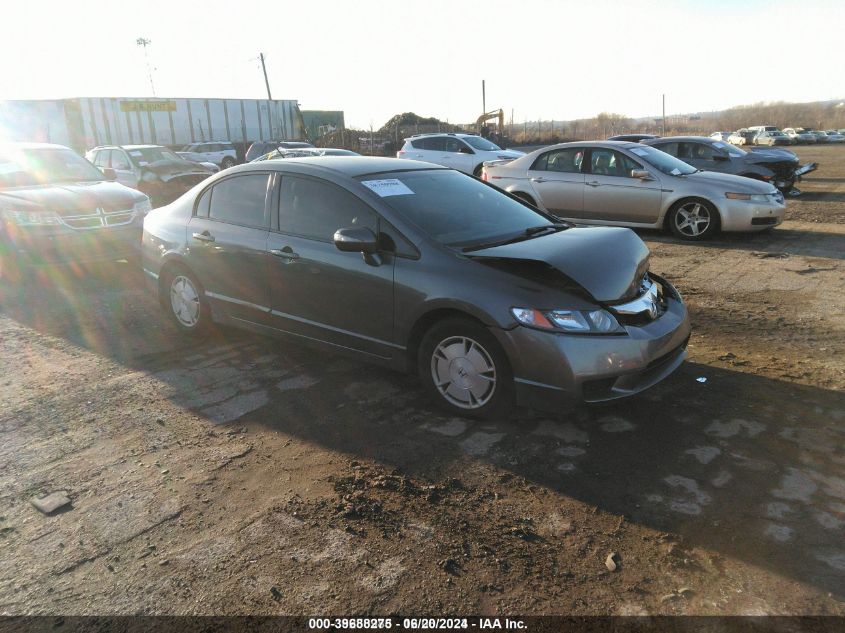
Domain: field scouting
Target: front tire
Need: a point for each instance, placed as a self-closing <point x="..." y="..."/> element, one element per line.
<point x="693" y="220"/>
<point x="183" y="298"/>
<point x="465" y="371"/>
<point x="227" y="162"/>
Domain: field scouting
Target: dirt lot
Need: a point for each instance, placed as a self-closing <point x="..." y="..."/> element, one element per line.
<point x="245" y="476"/>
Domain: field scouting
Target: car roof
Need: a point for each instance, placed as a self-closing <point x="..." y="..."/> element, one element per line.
<point x="607" y="143"/>
<point x="675" y="139"/>
<point x="458" y="134"/>
<point x="351" y="166"/>
<point x="28" y="145"/>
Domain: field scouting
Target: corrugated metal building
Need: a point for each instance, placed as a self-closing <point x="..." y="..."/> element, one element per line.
<point x="86" y="122"/>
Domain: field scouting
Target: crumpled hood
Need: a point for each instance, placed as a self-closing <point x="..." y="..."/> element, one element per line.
<point x="71" y="198"/>
<point x="607" y="262"/>
<point x="772" y="156"/>
<point x="169" y="169"/>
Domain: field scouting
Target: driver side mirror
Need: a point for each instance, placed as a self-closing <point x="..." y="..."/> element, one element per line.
<point x="358" y="239"/>
<point x="109" y="174"/>
<point x="642" y="174"/>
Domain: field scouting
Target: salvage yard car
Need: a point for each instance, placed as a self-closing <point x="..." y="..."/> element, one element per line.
<point x="635" y="185"/>
<point x="420" y="268"/>
<point x="464" y="152"/>
<point x="56" y="208"/>
<point x="220" y="153"/>
<point x="777" y="166"/>
<point x="152" y="169"/>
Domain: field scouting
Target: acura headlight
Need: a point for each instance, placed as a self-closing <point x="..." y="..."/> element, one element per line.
<point x="574" y="321"/>
<point x="754" y="197"/>
<point x="32" y="218"/>
<point x="143" y="207"/>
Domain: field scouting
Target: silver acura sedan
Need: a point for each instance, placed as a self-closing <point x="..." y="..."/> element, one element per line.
<point x="633" y="185"/>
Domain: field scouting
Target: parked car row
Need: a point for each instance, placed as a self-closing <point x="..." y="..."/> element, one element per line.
<point x="482" y="286"/>
<point x="771" y="135"/>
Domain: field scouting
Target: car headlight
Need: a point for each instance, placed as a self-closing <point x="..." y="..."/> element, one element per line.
<point x="32" y="218"/>
<point x="574" y="321"/>
<point x="143" y="207"/>
<point x="754" y="197"/>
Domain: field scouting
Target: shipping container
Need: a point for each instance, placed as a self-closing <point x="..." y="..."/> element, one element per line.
<point x="86" y="122"/>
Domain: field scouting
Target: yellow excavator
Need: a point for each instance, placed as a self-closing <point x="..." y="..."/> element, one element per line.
<point x="481" y="123"/>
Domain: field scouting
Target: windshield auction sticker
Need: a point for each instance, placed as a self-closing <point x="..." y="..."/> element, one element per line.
<point x="388" y="187"/>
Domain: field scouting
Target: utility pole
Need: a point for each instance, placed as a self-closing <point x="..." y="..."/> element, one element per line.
<point x="664" y="116"/>
<point x="264" y="69"/>
<point x="483" y="98"/>
<point x="143" y="41"/>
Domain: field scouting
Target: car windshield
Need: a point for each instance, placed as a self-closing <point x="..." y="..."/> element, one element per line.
<point x="476" y="142"/>
<point x="24" y="168"/>
<point x="730" y="149"/>
<point x="663" y="161"/>
<point x="454" y="209"/>
<point x="145" y="155"/>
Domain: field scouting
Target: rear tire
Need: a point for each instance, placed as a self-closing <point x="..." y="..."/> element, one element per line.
<point x="465" y="371"/>
<point x="694" y="220"/>
<point x="183" y="298"/>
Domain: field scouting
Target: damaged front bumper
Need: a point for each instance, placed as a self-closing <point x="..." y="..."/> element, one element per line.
<point x="787" y="185"/>
<point x="560" y="368"/>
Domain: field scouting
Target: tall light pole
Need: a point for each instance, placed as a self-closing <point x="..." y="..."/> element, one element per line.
<point x="142" y="41"/>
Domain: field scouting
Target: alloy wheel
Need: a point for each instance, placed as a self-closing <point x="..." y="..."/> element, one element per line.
<point x="463" y="372"/>
<point x="693" y="219"/>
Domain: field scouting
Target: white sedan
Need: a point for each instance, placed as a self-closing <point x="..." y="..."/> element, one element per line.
<point x="736" y="138"/>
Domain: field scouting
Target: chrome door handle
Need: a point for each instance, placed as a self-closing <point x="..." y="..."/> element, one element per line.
<point x="594" y="184"/>
<point x="205" y="236"/>
<point x="284" y="253"/>
<point x="541" y="179"/>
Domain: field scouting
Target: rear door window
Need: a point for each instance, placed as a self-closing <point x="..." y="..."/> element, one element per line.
<point x="562" y="160"/>
<point x="240" y="200"/>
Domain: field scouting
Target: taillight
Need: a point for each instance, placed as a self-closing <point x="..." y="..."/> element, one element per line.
<point x="400" y="153"/>
<point x="484" y="175"/>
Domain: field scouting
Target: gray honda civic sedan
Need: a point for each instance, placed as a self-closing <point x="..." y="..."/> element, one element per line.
<point x="419" y="268"/>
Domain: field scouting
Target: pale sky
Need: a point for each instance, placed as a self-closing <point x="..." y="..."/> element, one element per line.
<point x="372" y="59"/>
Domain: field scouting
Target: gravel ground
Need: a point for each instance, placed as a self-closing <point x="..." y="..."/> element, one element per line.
<point x="245" y="476"/>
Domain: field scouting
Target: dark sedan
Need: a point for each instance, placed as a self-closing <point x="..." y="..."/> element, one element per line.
<point x="777" y="166"/>
<point x="56" y="207"/>
<point x="422" y="268"/>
